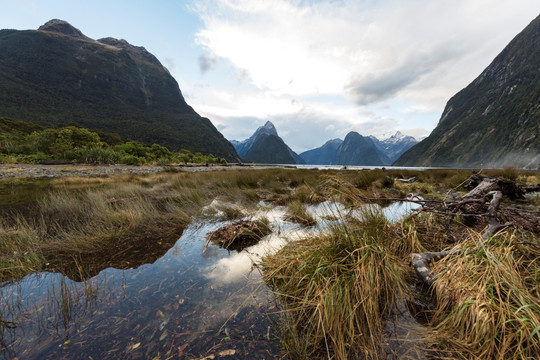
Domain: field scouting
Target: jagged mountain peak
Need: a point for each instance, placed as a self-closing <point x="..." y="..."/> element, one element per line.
<point x="269" y="125"/>
<point x="357" y="149"/>
<point x="61" y="27"/>
<point x="353" y="135"/>
<point x="334" y="141"/>
<point x="268" y="128"/>
<point x="399" y="137"/>
<point x="265" y="146"/>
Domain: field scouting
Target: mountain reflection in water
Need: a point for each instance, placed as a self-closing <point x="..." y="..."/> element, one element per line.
<point x="190" y="301"/>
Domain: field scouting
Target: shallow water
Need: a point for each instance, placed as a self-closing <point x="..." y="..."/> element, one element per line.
<point x="175" y="306"/>
<point x="195" y="301"/>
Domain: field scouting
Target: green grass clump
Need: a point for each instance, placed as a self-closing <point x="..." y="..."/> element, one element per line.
<point x="337" y="289"/>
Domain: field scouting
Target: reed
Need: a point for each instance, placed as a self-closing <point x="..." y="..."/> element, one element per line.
<point x="83" y="215"/>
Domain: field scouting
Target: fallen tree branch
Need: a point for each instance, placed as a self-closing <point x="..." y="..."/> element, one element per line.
<point x="493" y="225"/>
<point x="420" y="263"/>
<point x="489" y="189"/>
<point x="509" y="188"/>
<point x="454" y="214"/>
<point x="531" y="188"/>
<point x="410" y="180"/>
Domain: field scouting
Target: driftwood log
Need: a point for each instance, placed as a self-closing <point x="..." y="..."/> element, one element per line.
<point x="471" y="205"/>
<point x="410" y="180"/>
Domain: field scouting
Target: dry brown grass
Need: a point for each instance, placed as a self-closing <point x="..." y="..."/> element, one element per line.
<point x="488" y="299"/>
<point x="337" y="289"/>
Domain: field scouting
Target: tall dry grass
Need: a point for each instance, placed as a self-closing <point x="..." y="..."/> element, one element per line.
<point x="81" y="215"/>
<point x="488" y="299"/>
<point x="337" y="289"/>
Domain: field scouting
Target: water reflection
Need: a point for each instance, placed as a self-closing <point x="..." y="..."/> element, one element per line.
<point x="182" y="300"/>
<point x="170" y="307"/>
<point x="398" y="210"/>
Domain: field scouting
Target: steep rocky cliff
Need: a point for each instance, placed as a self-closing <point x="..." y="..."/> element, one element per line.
<point x="494" y="121"/>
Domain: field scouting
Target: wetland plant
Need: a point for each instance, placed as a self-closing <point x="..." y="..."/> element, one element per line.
<point x="337" y="288"/>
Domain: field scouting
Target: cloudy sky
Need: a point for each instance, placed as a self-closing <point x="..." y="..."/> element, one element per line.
<point x="316" y="69"/>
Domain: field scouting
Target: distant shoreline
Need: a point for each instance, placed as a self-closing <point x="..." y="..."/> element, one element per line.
<point x="62" y="170"/>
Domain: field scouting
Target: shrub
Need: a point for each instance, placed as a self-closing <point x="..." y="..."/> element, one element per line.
<point x="95" y="155"/>
<point x="132" y="160"/>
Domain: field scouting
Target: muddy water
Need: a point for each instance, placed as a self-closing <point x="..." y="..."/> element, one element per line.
<point x="198" y="301"/>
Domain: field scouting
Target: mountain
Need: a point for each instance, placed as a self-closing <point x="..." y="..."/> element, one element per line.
<point x="242" y="147"/>
<point x="266" y="147"/>
<point x="359" y="150"/>
<point x="495" y="120"/>
<point x="324" y="155"/>
<point x="57" y="75"/>
<point x="391" y="149"/>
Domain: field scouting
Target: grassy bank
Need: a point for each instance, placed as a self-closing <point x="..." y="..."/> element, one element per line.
<point x="337" y="289"/>
<point x="72" y="219"/>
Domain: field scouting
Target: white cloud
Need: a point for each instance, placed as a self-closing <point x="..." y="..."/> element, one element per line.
<point x="368" y="53"/>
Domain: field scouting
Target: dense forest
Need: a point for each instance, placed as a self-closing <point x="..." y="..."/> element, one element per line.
<point x="25" y="142"/>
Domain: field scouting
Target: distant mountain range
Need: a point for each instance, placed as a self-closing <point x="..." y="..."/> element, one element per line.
<point x="58" y="75"/>
<point x="356" y="149"/>
<point x="266" y="147"/>
<point x="495" y="120"/>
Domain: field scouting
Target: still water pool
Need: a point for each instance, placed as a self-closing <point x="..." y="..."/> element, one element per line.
<point x="198" y="301"/>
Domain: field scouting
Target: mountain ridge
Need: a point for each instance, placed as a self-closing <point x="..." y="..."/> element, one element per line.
<point x="57" y="75"/>
<point x="495" y="120"/>
<point x="359" y="150"/>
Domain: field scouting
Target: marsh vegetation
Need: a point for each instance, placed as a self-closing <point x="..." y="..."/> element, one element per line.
<point x="342" y="285"/>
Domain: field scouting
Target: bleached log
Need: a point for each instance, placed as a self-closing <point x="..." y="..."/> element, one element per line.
<point x="493" y="225"/>
<point x="508" y="187"/>
<point x="420" y="263"/>
<point x="410" y="180"/>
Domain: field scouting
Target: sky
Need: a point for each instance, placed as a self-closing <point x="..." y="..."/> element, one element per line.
<point x="316" y="69"/>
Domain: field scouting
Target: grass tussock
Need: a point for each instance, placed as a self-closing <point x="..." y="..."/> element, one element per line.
<point x="337" y="289"/>
<point x="297" y="213"/>
<point x="240" y="234"/>
<point x="488" y="300"/>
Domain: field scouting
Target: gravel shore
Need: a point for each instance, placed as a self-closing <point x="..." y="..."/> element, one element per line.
<point x="51" y="171"/>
